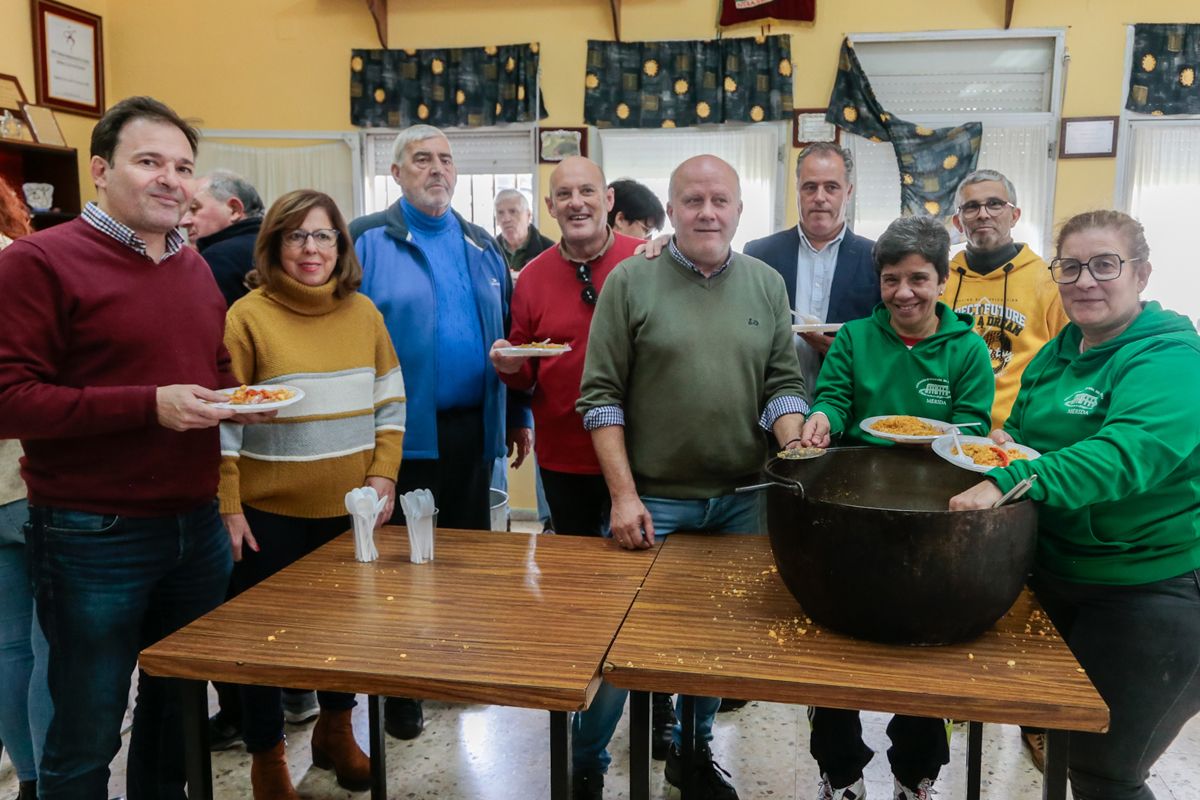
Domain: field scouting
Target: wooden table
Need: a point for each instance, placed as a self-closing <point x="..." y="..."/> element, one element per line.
<point x="499" y="618"/>
<point x="715" y="619"/>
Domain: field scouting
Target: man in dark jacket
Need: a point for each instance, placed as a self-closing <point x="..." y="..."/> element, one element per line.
<point x="223" y="221"/>
<point x="828" y="270"/>
<point x="519" y="240"/>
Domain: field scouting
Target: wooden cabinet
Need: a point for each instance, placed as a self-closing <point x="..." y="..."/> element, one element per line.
<point x="26" y="162"/>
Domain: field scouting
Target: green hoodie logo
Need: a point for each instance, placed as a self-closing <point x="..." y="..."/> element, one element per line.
<point x="936" y="391"/>
<point x="1084" y="402"/>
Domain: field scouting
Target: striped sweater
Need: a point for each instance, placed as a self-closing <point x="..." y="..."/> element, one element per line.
<point x="348" y="426"/>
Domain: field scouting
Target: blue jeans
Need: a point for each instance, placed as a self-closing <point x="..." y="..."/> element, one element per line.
<point x="24" y="701"/>
<point x="105" y="588"/>
<point x="593" y="729"/>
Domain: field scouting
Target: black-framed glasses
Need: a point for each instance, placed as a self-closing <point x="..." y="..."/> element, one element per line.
<point x="584" y="273"/>
<point x="324" y="238"/>
<point x="1104" y="267"/>
<point x="994" y="206"/>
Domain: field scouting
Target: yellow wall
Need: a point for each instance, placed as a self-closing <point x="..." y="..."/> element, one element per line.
<point x="283" y="64"/>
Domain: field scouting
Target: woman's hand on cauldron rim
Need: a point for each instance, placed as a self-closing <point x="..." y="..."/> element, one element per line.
<point x="1000" y="437"/>
<point x="981" y="495"/>
<point x="630" y="523"/>
<point x="815" y="432"/>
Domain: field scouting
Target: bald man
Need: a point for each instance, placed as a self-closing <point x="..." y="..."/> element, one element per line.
<point x="555" y="300"/>
<point x="690" y="359"/>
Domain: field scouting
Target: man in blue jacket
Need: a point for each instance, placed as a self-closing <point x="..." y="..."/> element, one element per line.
<point x="443" y="288"/>
<point x="828" y="270"/>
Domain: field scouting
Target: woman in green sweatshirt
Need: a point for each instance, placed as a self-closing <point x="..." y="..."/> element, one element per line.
<point x="1111" y="403"/>
<point x="913" y="355"/>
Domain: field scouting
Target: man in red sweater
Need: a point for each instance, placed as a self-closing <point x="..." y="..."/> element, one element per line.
<point x="110" y="344"/>
<point x="554" y="300"/>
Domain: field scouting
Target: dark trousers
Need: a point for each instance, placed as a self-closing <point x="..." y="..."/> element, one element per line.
<point x="281" y="541"/>
<point x="106" y="587"/>
<point x="920" y="746"/>
<point x="459" y="477"/>
<point x="1140" y="646"/>
<point x="579" y="504"/>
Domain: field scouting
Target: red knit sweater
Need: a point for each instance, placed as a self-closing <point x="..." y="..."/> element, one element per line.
<point x="89" y="330"/>
<point x="547" y="305"/>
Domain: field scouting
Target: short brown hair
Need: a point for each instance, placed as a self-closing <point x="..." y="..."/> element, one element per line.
<point x="1107" y="219"/>
<point x="287" y="214"/>
<point x="108" y="129"/>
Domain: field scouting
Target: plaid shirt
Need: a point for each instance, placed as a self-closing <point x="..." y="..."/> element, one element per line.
<point x="103" y="222"/>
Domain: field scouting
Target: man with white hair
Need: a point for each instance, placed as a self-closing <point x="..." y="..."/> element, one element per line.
<point x="222" y="222"/>
<point x="444" y="292"/>
<point x="519" y="240"/>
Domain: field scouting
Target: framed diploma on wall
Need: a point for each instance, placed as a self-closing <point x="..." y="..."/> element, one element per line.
<point x="68" y="46"/>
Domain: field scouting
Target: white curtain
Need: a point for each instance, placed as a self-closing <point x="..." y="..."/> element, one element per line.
<point x="1164" y="185"/>
<point x="1019" y="152"/>
<point x="648" y="156"/>
<point x="274" y="171"/>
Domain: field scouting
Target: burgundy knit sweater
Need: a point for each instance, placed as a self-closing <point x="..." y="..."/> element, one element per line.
<point x="89" y="329"/>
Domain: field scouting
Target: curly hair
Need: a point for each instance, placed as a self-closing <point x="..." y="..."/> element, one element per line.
<point x="14" y="216"/>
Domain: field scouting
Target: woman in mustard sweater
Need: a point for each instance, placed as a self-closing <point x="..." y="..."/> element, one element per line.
<point x="283" y="483"/>
<point x="1111" y="404"/>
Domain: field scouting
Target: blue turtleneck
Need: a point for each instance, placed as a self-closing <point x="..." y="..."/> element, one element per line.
<point x="461" y="351"/>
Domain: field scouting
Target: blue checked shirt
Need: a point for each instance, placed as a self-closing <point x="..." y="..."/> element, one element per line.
<point x="101" y="221"/>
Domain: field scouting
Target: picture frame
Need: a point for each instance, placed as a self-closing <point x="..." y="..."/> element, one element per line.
<point x="809" y="126"/>
<point x="1088" y="137"/>
<point x="11" y="93"/>
<point x="555" y="144"/>
<point x="43" y="125"/>
<point x="68" y="48"/>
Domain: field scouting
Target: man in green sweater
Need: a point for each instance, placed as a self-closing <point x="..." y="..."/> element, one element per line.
<point x="690" y="359"/>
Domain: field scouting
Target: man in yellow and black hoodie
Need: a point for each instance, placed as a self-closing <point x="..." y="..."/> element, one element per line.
<point x="1003" y="284"/>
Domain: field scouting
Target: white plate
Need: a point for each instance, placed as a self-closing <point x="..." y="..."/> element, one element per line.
<point x="533" y="352"/>
<point x="897" y="437"/>
<point x="944" y="447"/>
<point x="251" y="408"/>
<point x="823" y="327"/>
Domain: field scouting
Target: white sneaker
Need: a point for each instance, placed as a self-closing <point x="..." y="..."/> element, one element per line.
<point x="300" y="707"/>
<point x="855" y="791"/>
<point x="924" y="790"/>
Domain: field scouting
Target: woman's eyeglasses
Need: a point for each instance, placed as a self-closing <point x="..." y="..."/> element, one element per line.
<point x="584" y="273"/>
<point x="1104" y="267"/>
<point x="324" y="238"/>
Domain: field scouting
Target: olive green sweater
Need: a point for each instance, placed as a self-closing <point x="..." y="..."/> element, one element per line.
<point x="693" y="362"/>
<point x="1119" y="477"/>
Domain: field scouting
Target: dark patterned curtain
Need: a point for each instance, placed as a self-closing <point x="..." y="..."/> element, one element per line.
<point x="932" y="162"/>
<point x="453" y="87"/>
<point x="1162" y="79"/>
<point x="675" y="84"/>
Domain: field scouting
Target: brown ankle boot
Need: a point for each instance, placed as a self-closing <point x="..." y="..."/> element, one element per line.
<point x="334" y="747"/>
<point x="269" y="776"/>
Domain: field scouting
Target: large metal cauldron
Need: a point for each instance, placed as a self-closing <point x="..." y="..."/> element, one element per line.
<point x="864" y="542"/>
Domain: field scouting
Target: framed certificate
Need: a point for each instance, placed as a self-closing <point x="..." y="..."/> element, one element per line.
<point x="11" y="96"/>
<point x="68" y="58"/>
<point x="809" y="125"/>
<point x="1088" y="137"/>
<point x="43" y="125"/>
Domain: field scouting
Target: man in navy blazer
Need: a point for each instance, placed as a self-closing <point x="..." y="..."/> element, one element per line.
<point x="829" y="272"/>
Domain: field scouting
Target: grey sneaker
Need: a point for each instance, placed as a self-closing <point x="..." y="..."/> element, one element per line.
<point x="924" y="790"/>
<point x="300" y="707"/>
<point x="855" y="791"/>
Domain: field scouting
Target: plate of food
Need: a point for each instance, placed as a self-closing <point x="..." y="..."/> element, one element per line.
<point x="981" y="453"/>
<point x="800" y="453"/>
<point x="816" y="327"/>
<point x="252" y="399"/>
<point x="535" y="349"/>
<point x="905" y="428"/>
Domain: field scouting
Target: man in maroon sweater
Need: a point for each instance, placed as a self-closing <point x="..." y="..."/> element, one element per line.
<point x="110" y="344"/>
<point x="554" y="300"/>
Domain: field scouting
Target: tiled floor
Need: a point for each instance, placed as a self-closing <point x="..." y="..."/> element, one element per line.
<point x="494" y="753"/>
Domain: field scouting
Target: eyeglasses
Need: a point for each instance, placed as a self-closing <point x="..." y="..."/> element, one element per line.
<point x="584" y="273"/>
<point x="994" y="206"/>
<point x="646" y="228"/>
<point x="325" y="238"/>
<point x="1104" y="267"/>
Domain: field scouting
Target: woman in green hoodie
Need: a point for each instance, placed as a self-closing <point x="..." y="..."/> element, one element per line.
<point x="913" y="355"/>
<point x="1111" y="403"/>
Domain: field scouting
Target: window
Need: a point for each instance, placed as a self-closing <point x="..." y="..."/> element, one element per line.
<point x="487" y="161"/>
<point x="755" y="151"/>
<point x="1010" y="82"/>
